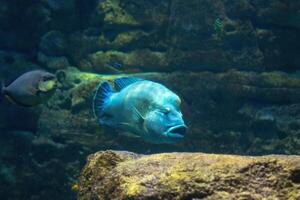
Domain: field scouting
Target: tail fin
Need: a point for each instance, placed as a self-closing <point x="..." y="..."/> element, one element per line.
<point x="103" y="92"/>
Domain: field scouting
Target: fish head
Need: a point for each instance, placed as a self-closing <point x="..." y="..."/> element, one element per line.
<point x="164" y="122"/>
<point x="47" y="83"/>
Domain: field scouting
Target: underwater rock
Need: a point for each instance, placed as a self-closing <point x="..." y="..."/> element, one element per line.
<point x="250" y="35"/>
<point x="186" y="33"/>
<point x="114" y="14"/>
<point x="125" y="175"/>
<point x="277" y="13"/>
<point x="127" y="40"/>
<point x="134" y="14"/>
<point x="81" y="44"/>
<point x="279" y="19"/>
<point x="143" y="59"/>
<point x="21" y="25"/>
<point x="37" y="160"/>
<point x="53" y="44"/>
<point x="53" y="62"/>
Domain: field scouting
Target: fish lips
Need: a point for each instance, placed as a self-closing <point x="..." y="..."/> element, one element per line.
<point x="177" y="131"/>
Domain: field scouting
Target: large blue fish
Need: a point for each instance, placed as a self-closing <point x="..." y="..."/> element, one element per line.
<point x="144" y="108"/>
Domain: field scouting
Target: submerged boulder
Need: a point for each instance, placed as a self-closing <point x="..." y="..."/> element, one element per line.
<point x="125" y="175"/>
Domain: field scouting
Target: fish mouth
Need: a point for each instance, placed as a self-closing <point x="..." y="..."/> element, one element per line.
<point x="177" y="131"/>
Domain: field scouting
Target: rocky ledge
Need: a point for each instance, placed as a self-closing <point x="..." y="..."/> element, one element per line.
<point x="125" y="175"/>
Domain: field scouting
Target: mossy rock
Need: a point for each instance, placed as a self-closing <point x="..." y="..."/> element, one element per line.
<point x="124" y="175"/>
<point x="125" y="39"/>
<point x="114" y="14"/>
<point x="143" y="59"/>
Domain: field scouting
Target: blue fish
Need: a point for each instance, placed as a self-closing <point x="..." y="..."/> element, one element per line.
<point x="144" y="108"/>
<point x="117" y="65"/>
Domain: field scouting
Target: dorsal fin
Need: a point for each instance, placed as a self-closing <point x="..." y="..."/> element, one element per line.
<point x="121" y="83"/>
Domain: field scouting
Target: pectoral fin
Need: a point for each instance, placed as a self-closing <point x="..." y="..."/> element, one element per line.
<point x="141" y="120"/>
<point x="138" y="114"/>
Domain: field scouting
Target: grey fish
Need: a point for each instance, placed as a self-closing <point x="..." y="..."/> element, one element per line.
<point x="31" y="89"/>
<point x="144" y="108"/>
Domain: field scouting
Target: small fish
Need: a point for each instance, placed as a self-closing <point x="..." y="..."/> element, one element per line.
<point x="219" y="27"/>
<point x="117" y="65"/>
<point x="147" y="109"/>
<point x="31" y="89"/>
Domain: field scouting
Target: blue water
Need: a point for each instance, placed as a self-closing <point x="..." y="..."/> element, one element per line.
<point x="234" y="65"/>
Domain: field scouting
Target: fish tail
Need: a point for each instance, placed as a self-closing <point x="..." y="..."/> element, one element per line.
<point x="102" y="95"/>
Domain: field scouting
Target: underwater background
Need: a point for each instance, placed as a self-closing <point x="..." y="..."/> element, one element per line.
<point x="234" y="63"/>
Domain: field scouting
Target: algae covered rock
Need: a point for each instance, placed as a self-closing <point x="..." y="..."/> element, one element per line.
<point x="125" y="175"/>
<point x="215" y="35"/>
<point x="145" y="59"/>
<point x="134" y="13"/>
<point x="53" y="62"/>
